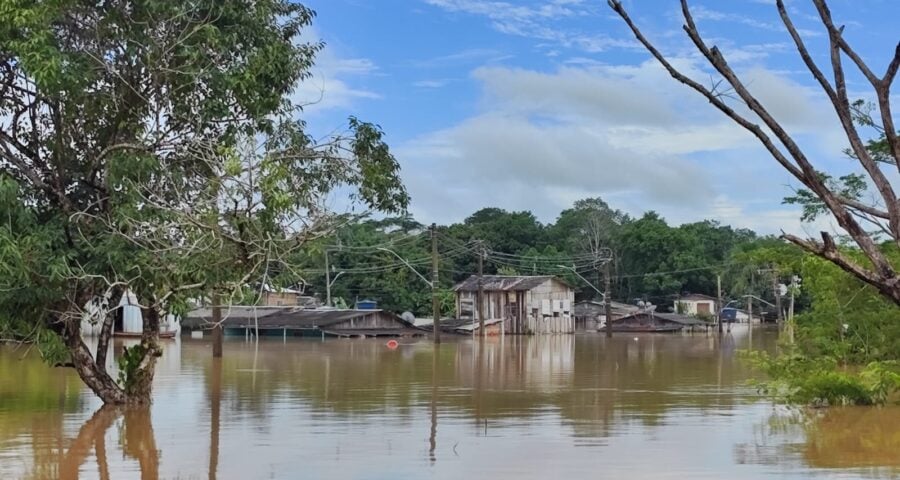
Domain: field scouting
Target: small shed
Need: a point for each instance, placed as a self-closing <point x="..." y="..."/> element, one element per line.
<point x="526" y="304"/>
<point x="650" y="321"/>
<point x="696" y="305"/>
<point x="128" y="318"/>
<point x="286" y="297"/>
<point x="591" y="314"/>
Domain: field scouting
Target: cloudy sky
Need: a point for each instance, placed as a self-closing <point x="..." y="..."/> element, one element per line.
<point x="533" y="104"/>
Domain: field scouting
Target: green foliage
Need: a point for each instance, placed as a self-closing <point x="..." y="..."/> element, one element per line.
<point x="648" y="245"/>
<point x="800" y="379"/>
<point x="447" y="302"/>
<point x="129" y="366"/>
<point x="508" y="271"/>
<point x="851" y="186"/>
<point x="846" y="319"/>
<point x="51" y="347"/>
<point x="883" y="379"/>
<point x="136" y="127"/>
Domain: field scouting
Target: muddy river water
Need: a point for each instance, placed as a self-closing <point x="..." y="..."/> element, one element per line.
<point x="557" y="407"/>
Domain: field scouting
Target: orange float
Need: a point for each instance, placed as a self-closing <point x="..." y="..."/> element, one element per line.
<point x="392" y="344"/>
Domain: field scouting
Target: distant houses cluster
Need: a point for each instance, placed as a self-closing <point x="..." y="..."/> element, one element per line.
<point x="510" y="305"/>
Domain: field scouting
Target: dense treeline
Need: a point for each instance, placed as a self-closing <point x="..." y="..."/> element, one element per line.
<point x="652" y="260"/>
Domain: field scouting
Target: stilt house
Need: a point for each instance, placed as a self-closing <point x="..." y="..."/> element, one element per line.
<point x="526" y="304"/>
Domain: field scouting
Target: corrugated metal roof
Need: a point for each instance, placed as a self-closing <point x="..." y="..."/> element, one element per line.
<point x="696" y="296"/>
<point x="672" y="317"/>
<point x="495" y="283"/>
<point x="271" y="317"/>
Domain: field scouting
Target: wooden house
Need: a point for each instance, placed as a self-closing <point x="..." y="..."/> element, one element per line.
<point x="286" y="297"/>
<point x="650" y="321"/>
<point x="525" y="304"/>
<point x="696" y="305"/>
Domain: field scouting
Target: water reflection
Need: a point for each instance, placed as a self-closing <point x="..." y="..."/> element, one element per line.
<point x="215" y="402"/>
<point x="529" y="407"/>
<point x="848" y="439"/>
<point x="137" y="442"/>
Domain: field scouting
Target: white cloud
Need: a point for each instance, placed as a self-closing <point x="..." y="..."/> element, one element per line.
<point x="540" y="21"/>
<point x="767" y="220"/>
<point x="463" y="57"/>
<point x="628" y="133"/>
<point x="330" y="86"/>
<point x="434" y="83"/>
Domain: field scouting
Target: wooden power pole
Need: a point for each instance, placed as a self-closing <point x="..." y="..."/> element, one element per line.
<point x="327" y="281"/>
<point x="435" y="306"/>
<point x="777" y="293"/>
<point x="479" y="301"/>
<point x="719" y="301"/>
<point x="218" y="330"/>
<point x="607" y="298"/>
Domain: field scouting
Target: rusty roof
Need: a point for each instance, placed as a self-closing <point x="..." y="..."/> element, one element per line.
<point x="671" y="317"/>
<point x="494" y="283"/>
<point x="695" y="297"/>
<point x="271" y="317"/>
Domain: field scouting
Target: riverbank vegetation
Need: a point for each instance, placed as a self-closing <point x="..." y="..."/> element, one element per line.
<point x="843" y="349"/>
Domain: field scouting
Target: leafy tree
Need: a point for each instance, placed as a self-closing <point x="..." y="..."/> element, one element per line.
<point x="589" y="226"/>
<point x="150" y="146"/>
<point x="508" y="232"/>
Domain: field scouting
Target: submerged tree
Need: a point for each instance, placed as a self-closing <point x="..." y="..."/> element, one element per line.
<point x="842" y="199"/>
<point x="151" y="146"/>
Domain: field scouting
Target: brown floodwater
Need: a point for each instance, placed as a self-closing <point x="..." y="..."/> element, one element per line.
<point x="576" y="406"/>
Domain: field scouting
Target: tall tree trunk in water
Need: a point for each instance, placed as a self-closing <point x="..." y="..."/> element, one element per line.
<point x="68" y="326"/>
<point x="138" y="364"/>
<point x="106" y="330"/>
<point x="140" y="384"/>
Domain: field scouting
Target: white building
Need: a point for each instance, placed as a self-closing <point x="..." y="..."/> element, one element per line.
<point x="129" y="318"/>
<point x="696" y="305"/>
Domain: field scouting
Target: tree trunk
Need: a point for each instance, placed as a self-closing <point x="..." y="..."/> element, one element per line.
<point x="98" y="380"/>
<point x="141" y="386"/>
<point x="106" y="330"/>
<point x="218" y="330"/>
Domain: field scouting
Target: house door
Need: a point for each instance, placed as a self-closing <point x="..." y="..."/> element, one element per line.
<point x="511" y="314"/>
<point x="703" y="309"/>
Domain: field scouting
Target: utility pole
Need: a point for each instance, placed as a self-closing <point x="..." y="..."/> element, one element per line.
<point x="774" y="271"/>
<point x="719" y="301"/>
<point x="217" y="329"/>
<point x="777" y="293"/>
<point x="607" y="298"/>
<point x="750" y="319"/>
<point x="435" y="307"/>
<point x="795" y="285"/>
<point x="480" y="300"/>
<point x="327" y="281"/>
<point x="791" y="305"/>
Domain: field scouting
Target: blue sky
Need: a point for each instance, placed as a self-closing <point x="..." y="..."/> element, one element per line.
<point x="531" y="105"/>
